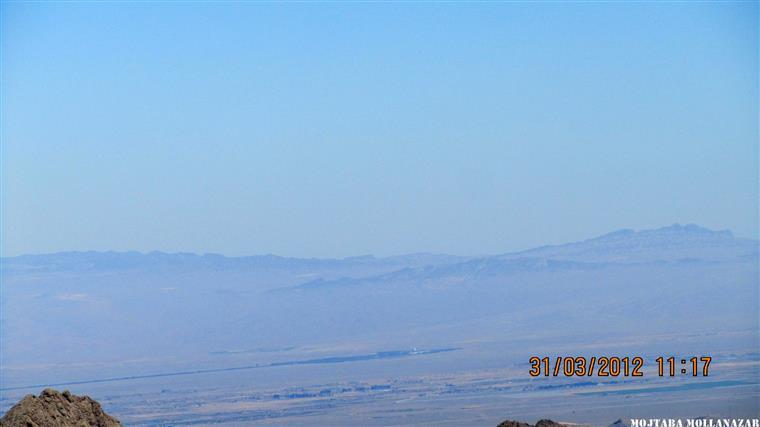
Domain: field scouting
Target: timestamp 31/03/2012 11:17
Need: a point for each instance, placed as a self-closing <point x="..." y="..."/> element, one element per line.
<point x="604" y="366"/>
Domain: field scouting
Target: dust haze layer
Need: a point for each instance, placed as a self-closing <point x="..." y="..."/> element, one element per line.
<point x="75" y="317"/>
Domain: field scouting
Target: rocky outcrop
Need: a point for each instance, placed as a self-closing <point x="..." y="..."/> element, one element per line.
<point x="53" y="408"/>
<point x="510" y="423"/>
<point x="540" y="423"/>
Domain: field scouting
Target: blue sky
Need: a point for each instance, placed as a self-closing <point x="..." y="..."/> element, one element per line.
<point x="333" y="129"/>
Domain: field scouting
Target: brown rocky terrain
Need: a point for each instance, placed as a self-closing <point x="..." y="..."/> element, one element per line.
<point x="53" y="408"/>
<point x="540" y="423"/>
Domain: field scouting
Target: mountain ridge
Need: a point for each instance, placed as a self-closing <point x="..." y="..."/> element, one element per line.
<point x="625" y="232"/>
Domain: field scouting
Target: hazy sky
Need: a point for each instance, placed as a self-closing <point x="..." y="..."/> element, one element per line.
<point x="343" y="129"/>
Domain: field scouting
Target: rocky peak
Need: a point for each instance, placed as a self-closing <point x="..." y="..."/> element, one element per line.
<point x="53" y="408"/>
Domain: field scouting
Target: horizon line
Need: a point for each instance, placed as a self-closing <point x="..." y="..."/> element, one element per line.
<point x="689" y="226"/>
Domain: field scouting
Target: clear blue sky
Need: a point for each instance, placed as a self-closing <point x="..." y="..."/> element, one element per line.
<point x="327" y="129"/>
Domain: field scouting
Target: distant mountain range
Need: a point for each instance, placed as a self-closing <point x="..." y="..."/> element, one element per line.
<point x="667" y="243"/>
<point x="681" y="241"/>
<point x="676" y="244"/>
<point x="93" y="260"/>
<point x="186" y="305"/>
<point x="123" y="317"/>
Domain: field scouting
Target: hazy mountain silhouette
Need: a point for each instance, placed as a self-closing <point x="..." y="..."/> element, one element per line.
<point x="156" y="309"/>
